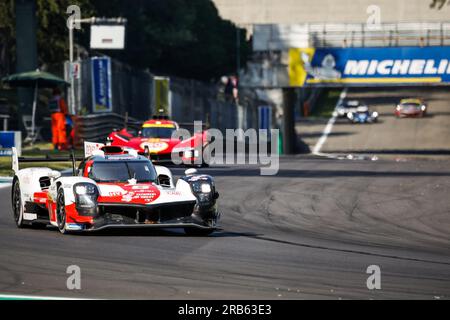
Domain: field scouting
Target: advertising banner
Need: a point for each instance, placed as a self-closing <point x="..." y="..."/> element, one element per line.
<point x="369" y="66"/>
<point x="161" y="95"/>
<point x="265" y="117"/>
<point x="8" y="140"/>
<point x="101" y="84"/>
<point x="107" y="37"/>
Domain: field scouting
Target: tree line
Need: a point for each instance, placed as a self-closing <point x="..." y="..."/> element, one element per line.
<point x="185" y="38"/>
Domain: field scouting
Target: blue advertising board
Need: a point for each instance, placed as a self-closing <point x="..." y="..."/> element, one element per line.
<point x="101" y="84"/>
<point x="265" y="118"/>
<point x="365" y="66"/>
<point x="9" y="139"/>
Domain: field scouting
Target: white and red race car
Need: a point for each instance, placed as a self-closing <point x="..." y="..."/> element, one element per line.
<point x="113" y="188"/>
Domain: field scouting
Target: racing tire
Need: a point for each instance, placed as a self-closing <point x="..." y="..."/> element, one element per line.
<point x="196" y="232"/>
<point x="17" y="204"/>
<point x="61" y="211"/>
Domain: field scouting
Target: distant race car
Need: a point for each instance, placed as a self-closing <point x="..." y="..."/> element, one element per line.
<point x="348" y="106"/>
<point x="113" y="188"/>
<point x="411" y="108"/>
<point x="155" y="138"/>
<point x="362" y="115"/>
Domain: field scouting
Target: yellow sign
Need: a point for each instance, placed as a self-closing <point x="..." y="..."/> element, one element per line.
<point x="152" y="125"/>
<point x="297" y="72"/>
<point x="161" y="95"/>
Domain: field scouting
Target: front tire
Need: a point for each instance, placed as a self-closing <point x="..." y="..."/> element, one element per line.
<point x="61" y="211"/>
<point x="17" y="204"/>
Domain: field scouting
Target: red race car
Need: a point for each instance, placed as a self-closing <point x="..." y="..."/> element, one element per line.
<point x="411" y="108"/>
<point x="155" y="139"/>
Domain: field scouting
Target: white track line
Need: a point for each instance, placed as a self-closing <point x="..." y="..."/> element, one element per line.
<point x="29" y="297"/>
<point x="329" y="126"/>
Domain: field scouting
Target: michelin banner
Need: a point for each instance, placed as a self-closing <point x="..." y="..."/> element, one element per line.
<point x="369" y="66"/>
<point x="101" y="84"/>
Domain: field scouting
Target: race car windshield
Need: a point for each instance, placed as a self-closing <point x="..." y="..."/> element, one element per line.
<point x="411" y="105"/>
<point x="350" y="104"/>
<point x="142" y="171"/>
<point x="157" y="132"/>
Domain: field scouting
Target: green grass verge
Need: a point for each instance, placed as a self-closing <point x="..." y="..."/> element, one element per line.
<point x="37" y="150"/>
<point x="326" y="103"/>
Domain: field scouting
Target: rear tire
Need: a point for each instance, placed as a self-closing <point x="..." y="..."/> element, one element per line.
<point x="61" y="211"/>
<point x="17" y="204"/>
<point x="197" y="232"/>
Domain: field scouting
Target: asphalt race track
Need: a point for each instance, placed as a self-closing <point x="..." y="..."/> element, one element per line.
<point x="390" y="137"/>
<point x="309" y="232"/>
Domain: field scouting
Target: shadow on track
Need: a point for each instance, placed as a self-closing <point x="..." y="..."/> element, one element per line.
<point x="291" y="173"/>
<point x="318" y="134"/>
<point x="443" y="152"/>
<point x="136" y="232"/>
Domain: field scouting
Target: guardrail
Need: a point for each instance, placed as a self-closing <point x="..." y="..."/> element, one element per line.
<point x="97" y="127"/>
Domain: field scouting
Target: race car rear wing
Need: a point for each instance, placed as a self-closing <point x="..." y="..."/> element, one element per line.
<point x="71" y="158"/>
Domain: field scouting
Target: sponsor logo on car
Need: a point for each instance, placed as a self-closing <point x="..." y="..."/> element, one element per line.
<point x="155" y="147"/>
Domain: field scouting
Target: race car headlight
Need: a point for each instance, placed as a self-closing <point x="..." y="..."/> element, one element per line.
<point x="422" y="107"/>
<point x="188" y="154"/>
<point x="205" y="187"/>
<point x="84" y="189"/>
<point x="86" y="195"/>
<point x="191" y="153"/>
<point x="398" y="108"/>
<point x="201" y="187"/>
<point x="375" y="114"/>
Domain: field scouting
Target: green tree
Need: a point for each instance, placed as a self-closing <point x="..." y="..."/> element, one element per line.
<point x="7" y="39"/>
<point x="186" y="38"/>
<point x="52" y="34"/>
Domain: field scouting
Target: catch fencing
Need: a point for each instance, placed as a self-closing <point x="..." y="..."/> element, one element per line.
<point x="133" y="97"/>
<point x="195" y="101"/>
<point x="96" y="127"/>
<point x="131" y="90"/>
